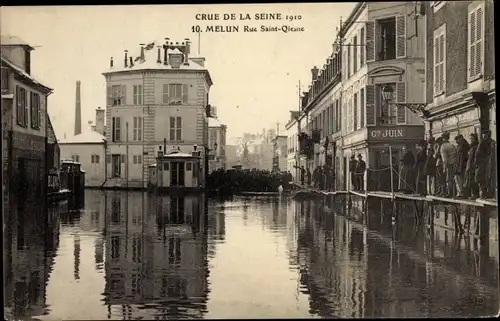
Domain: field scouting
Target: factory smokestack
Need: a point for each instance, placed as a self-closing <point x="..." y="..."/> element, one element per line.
<point x="78" y="110"/>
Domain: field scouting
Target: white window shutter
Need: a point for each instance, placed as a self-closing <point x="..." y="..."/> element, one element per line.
<point x="400" y="36"/>
<point x="436" y="65"/>
<point x="479" y="41"/>
<point x="109" y="95"/>
<point x="370" y="104"/>
<point x="185" y="89"/>
<point x="401" y="98"/>
<point x="124" y="95"/>
<point x="472" y="44"/>
<point x="442" y="53"/>
<point x="370" y="41"/>
<point x="165" y="93"/>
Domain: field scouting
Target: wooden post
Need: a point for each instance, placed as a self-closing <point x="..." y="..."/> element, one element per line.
<point x="392" y="174"/>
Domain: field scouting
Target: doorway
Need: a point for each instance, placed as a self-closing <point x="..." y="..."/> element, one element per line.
<point x="177" y="170"/>
<point x="116" y="165"/>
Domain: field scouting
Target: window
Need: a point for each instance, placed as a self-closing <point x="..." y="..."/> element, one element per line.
<point x="355" y="54"/>
<point x="137" y="130"/>
<point x="189" y="166"/>
<point x="387" y="39"/>
<point x="137" y="159"/>
<point x="175" y="94"/>
<point x="137" y="94"/>
<point x="22" y="106"/>
<point x="355" y="108"/>
<point x="94" y="159"/>
<point x="175" y="128"/>
<point x="362" y="49"/>
<point x="387" y="113"/>
<point x="116" y="129"/>
<point x="362" y="107"/>
<point x="117" y="95"/>
<point x="439" y="60"/>
<point x="35" y="110"/>
<point x="75" y="158"/>
<point x="476" y="43"/>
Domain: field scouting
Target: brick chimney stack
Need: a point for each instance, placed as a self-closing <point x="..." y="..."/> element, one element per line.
<point x="314" y="73"/>
<point x="78" y="110"/>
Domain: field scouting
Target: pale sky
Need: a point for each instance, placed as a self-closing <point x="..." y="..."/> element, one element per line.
<point x="255" y="75"/>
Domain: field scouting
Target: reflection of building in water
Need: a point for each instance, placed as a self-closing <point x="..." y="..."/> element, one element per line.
<point x="155" y="252"/>
<point x="30" y="243"/>
<point x="333" y="262"/>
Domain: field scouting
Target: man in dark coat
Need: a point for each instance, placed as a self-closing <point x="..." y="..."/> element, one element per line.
<point x="461" y="164"/>
<point x="419" y="168"/>
<point x="483" y="153"/>
<point x="352" y="170"/>
<point x="471" y="189"/>
<point x="430" y="167"/>
<point x="360" y="173"/>
<point x="406" y="178"/>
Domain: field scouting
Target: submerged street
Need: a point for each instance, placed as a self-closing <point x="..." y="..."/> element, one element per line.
<point x="137" y="256"/>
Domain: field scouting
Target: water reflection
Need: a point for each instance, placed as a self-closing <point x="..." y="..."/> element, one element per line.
<point x="156" y="257"/>
<point x="139" y="256"/>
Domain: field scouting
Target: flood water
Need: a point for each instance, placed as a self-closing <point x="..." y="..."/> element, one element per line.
<point x="137" y="256"/>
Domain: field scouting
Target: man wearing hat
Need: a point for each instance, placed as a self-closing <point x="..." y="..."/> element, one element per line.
<point x="470" y="188"/>
<point x="483" y="154"/>
<point x="430" y="166"/>
<point x="449" y="156"/>
<point x="461" y="163"/>
<point x="420" y="162"/>
<point x="352" y="171"/>
<point x="360" y="173"/>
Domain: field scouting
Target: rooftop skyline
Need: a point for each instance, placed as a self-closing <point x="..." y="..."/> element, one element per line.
<point x="255" y="75"/>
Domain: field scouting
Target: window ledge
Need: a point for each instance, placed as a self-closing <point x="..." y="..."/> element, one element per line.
<point x="439" y="94"/>
<point x="472" y="79"/>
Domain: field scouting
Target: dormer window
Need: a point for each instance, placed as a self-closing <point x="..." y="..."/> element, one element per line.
<point x="176" y="60"/>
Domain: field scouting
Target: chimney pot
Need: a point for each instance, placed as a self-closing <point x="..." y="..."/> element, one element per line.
<point x="126" y="58"/>
<point x="142" y="51"/>
<point x="158" y="59"/>
<point x="165" y="54"/>
<point x="111" y="62"/>
<point x="314" y="73"/>
<point x="131" y="62"/>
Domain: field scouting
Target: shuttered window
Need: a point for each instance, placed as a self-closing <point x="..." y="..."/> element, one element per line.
<point x="370" y="105"/>
<point x="370" y="41"/>
<point x="439" y="60"/>
<point x="401" y="99"/>
<point x="476" y="41"/>
<point x="362" y="48"/>
<point x="355" y="107"/>
<point x="400" y="36"/>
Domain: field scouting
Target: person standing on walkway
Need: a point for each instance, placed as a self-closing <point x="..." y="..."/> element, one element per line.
<point x="430" y="167"/>
<point x="308" y="177"/>
<point x="360" y="173"/>
<point x="471" y="189"/>
<point x="449" y="156"/>
<point x="483" y="153"/>
<point x="440" y="174"/>
<point x="461" y="164"/>
<point x="352" y="170"/>
<point x="406" y="176"/>
<point x="420" y="163"/>
<point x="492" y="169"/>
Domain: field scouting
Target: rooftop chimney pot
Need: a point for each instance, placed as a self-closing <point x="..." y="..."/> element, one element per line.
<point x="111" y="62"/>
<point x="158" y="59"/>
<point x="126" y="58"/>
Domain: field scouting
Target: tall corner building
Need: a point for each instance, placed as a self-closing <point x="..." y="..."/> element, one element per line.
<point x="156" y="99"/>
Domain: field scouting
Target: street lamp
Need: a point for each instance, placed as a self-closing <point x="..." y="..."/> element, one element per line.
<point x="387" y="93"/>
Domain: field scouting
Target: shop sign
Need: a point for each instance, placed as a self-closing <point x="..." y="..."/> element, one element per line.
<point x="387" y="133"/>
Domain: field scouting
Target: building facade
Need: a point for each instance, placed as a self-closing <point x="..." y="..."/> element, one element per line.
<point x="460" y="90"/>
<point x="89" y="149"/>
<point x="383" y="46"/>
<point x="24" y="122"/>
<point x="217" y="144"/>
<point x="280" y="153"/>
<point x="159" y="96"/>
<point x="291" y="130"/>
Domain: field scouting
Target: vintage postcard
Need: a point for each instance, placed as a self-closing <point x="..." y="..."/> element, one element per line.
<point x="250" y="160"/>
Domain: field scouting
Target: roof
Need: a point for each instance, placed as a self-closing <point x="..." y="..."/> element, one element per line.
<point x="6" y="40"/>
<point x="24" y="74"/>
<point x="150" y="62"/>
<point x="214" y="122"/>
<point x="176" y="153"/>
<point x="84" y="138"/>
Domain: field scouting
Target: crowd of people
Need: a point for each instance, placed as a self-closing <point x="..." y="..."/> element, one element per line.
<point x="234" y="181"/>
